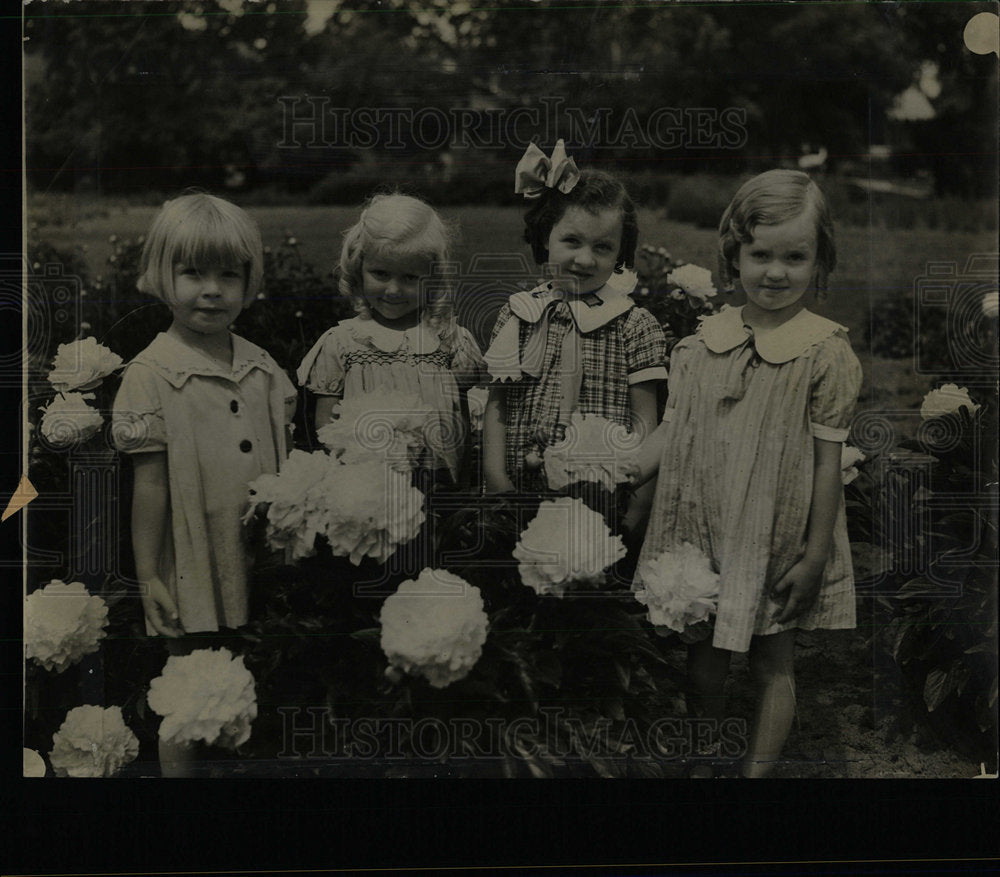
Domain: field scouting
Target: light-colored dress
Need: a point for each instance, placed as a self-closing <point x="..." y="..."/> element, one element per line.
<point x="538" y="334"/>
<point x="221" y="428"/>
<point x="736" y="475"/>
<point x="360" y="356"/>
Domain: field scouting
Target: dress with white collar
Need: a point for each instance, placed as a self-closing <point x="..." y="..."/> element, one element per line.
<point x="736" y="475"/>
<point x="360" y="356"/>
<point x="619" y="345"/>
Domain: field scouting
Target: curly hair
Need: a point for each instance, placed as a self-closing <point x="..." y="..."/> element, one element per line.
<point x="200" y="229"/>
<point x="593" y="192"/>
<point x="772" y="198"/>
<point x="401" y="226"/>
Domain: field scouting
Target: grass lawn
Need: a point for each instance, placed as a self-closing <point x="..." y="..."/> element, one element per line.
<point x="873" y="263"/>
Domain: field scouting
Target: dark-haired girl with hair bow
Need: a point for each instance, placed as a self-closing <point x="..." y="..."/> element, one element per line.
<point x="576" y="343"/>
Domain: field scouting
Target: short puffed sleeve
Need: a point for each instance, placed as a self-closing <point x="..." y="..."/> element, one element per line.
<point x="835" y="382"/>
<point x="322" y="368"/>
<point x="467" y="364"/>
<point x="502" y="319"/>
<point x="645" y="347"/>
<point x="137" y="424"/>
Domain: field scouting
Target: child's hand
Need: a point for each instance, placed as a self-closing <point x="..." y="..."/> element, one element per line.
<point x="801" y="585"/>
<point x="160" y="609"/>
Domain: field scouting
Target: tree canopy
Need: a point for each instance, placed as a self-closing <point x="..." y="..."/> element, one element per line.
<point x="152" y="94"/>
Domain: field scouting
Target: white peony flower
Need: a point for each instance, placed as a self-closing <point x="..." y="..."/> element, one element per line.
<point x="590" y="451"/>
<point x="389" y="425"/>
<point x="478" y="397"/>
<point x="295" y="501"/>
<point x="434" y="627"/>
<point x="679" y="587"/>
<point x="364" y="508"/>
<point x="694" y="280"/>
<point x="92" y="742"/>
<point x="946" y="400"/>
<point x="372" y="510"/>
<point x="566" y="542"/>
<point x="849" y="459"/>
<point x="206" y="695"/>
<point x="991" y="304"/>
<point x="68" y="419"/>
<point x="62" y="623"/>
<point x="82" y="365"/>
<point x="34" y="764"/>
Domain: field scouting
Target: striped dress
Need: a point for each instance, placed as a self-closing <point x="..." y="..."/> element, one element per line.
<point x="736" y="475"/>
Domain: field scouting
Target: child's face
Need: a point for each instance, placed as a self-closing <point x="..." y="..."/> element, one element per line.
<point x="207" y="298"/>
<point x="779" y="265"/>
<point x="585" y="248"/>
<point x="391" y="288"/>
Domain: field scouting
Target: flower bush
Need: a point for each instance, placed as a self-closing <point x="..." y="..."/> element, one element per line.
<point x="207" y="695"/>
<point x="434" y="627"/>
<point x="82" y="365"/>
<point x="946" y="400"/>
<point x="362" y="509"/>
<point x="933" y="565"/>
<point x="92" y="742"/>
<point x="678" y="294"/>
<point x="590" y="451"/>
<point x="62" y="623"/>
<point x="566" y="543"/>
<point x="68" y="420"/>
<point x="679" y="588"/>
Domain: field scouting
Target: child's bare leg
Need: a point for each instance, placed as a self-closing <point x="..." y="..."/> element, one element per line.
<point x="707" y="669"/>
<point x="771" y="665"/>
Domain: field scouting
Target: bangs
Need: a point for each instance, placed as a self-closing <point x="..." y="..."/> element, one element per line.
<point x="422" y="246"/>
<point x="200" y="231"/>
<point x="210" y="239"/>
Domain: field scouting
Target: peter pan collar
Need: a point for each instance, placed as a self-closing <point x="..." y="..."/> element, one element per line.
<point x="725" y="331"/>
<point x="590" y="311"/>
<point x="420" y="338"/>
<point x="176" y="361"/>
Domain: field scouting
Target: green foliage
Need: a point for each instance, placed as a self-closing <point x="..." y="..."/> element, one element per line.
<point x="935" y="564"/>
<point x="676" y="311"/>
<point x="568" y="683"/>
<point x="194" y="90"/>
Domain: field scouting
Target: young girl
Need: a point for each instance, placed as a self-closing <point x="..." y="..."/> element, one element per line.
<point x="577" y="342"/>
<point x="749" y="454"/>
<point x="202" y="412"/>
<point x="405" y="338"/>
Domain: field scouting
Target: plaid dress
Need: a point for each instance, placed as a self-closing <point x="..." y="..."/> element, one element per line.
<point x="628" y="349"/>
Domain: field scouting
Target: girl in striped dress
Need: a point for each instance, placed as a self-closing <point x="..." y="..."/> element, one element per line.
<point x="748" y="454"/>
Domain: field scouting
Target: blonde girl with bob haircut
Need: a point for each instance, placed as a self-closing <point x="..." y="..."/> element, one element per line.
<point x="404" y="338"/>
<point x="201" y="412"/>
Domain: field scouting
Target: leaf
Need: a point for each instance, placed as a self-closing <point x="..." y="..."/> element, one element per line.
<point x="369" y="634"/>
<point x="938" y="685"/>
<point x="624" y="674"/>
